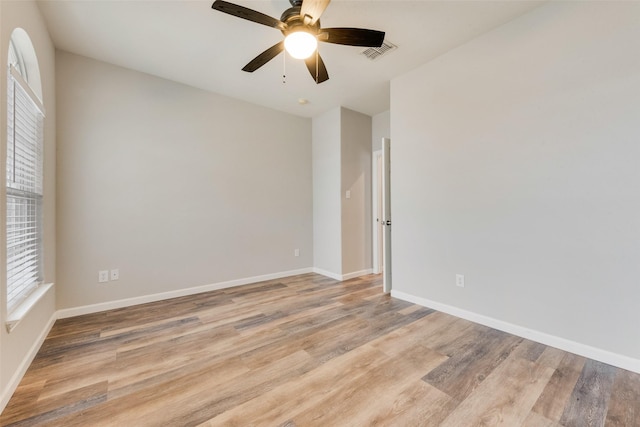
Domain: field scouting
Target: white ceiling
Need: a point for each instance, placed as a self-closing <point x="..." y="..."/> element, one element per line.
<point x="188" y="42"/>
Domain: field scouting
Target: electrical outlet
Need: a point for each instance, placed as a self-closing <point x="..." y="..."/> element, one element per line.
<point x="460" y="280"/>
<point x="103" y="276"/>
<point x="115" y="274"/>
<point x="296" y="252"/>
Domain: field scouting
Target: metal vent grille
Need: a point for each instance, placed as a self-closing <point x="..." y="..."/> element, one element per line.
<point x="376" y="52"/>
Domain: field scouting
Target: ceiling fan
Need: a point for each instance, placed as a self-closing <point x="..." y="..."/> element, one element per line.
<point x="300" y="24"/>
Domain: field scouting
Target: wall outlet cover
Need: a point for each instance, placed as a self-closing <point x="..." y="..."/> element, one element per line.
<point x="103" y="276"/>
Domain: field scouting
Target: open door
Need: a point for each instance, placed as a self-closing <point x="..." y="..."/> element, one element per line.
<point x="377" y="230"/>
<point x="386" y="214"/>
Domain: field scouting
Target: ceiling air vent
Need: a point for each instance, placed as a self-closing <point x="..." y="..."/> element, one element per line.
<point x="376" y="52"/>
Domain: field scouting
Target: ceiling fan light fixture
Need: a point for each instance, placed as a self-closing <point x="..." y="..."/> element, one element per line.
<point x="300" y="44"/>
<point x="300" y="24"/>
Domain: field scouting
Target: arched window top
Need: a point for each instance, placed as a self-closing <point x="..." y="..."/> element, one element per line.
<point x="22" y="56"/>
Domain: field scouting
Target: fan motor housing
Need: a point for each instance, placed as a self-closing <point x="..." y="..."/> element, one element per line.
<point x="293" y="21"/>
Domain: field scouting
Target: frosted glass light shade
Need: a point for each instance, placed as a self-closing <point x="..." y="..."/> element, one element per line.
<point x="300" y="44"/>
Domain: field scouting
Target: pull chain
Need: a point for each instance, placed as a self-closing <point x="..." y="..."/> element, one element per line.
<point x="284" y="67"/>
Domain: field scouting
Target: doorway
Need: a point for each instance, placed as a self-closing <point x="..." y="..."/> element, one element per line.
<point x="381" y="233"/>
<point x="377" y="232"/>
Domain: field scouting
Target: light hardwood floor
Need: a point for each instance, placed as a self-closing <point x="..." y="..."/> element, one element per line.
<point x="308" y="351"/>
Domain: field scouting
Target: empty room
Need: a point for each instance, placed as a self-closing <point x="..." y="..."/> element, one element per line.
<point x="320" y="213"/>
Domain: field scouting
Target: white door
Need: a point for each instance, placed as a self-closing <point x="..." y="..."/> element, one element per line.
<point x="386" y="214"/>
<point x="378" y="229"/>
<point x="379" y="253"/>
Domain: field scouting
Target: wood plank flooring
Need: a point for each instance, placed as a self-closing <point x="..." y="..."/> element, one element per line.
<point x="308" y="351"/>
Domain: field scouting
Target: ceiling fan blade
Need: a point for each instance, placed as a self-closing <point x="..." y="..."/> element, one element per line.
<point x="317" y="68"/>
<point x="352" y="36"/>
<point x="313" y="9"/>
<point x="248" y="14"/>
<point x="264" y="57"/>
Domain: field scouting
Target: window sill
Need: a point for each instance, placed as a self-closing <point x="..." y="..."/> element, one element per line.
<point x="20" y="312"/>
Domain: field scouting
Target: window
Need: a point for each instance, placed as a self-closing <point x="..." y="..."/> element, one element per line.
<point x="25" y="133"/>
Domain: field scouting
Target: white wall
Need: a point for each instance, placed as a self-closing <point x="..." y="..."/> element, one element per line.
<point x="18" y="347"/>
<point x="175" y="186"/>
<point x="380" y="128"/>
<point x="356" y="178"/>
<point x="327" y="220"/>
<point x="515" y="163"/>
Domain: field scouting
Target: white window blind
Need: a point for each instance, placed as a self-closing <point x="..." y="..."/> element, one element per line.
<point x="25" y="127"/>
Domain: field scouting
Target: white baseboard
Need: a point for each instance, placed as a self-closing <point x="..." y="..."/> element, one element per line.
<point x="342" y="277"/>
<point x="334" y="276"/>
<point x="621" y="361"/>
<point x="22" y="369"/>
<point x="357" y="274"/>
<point x="110" y="305"/>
